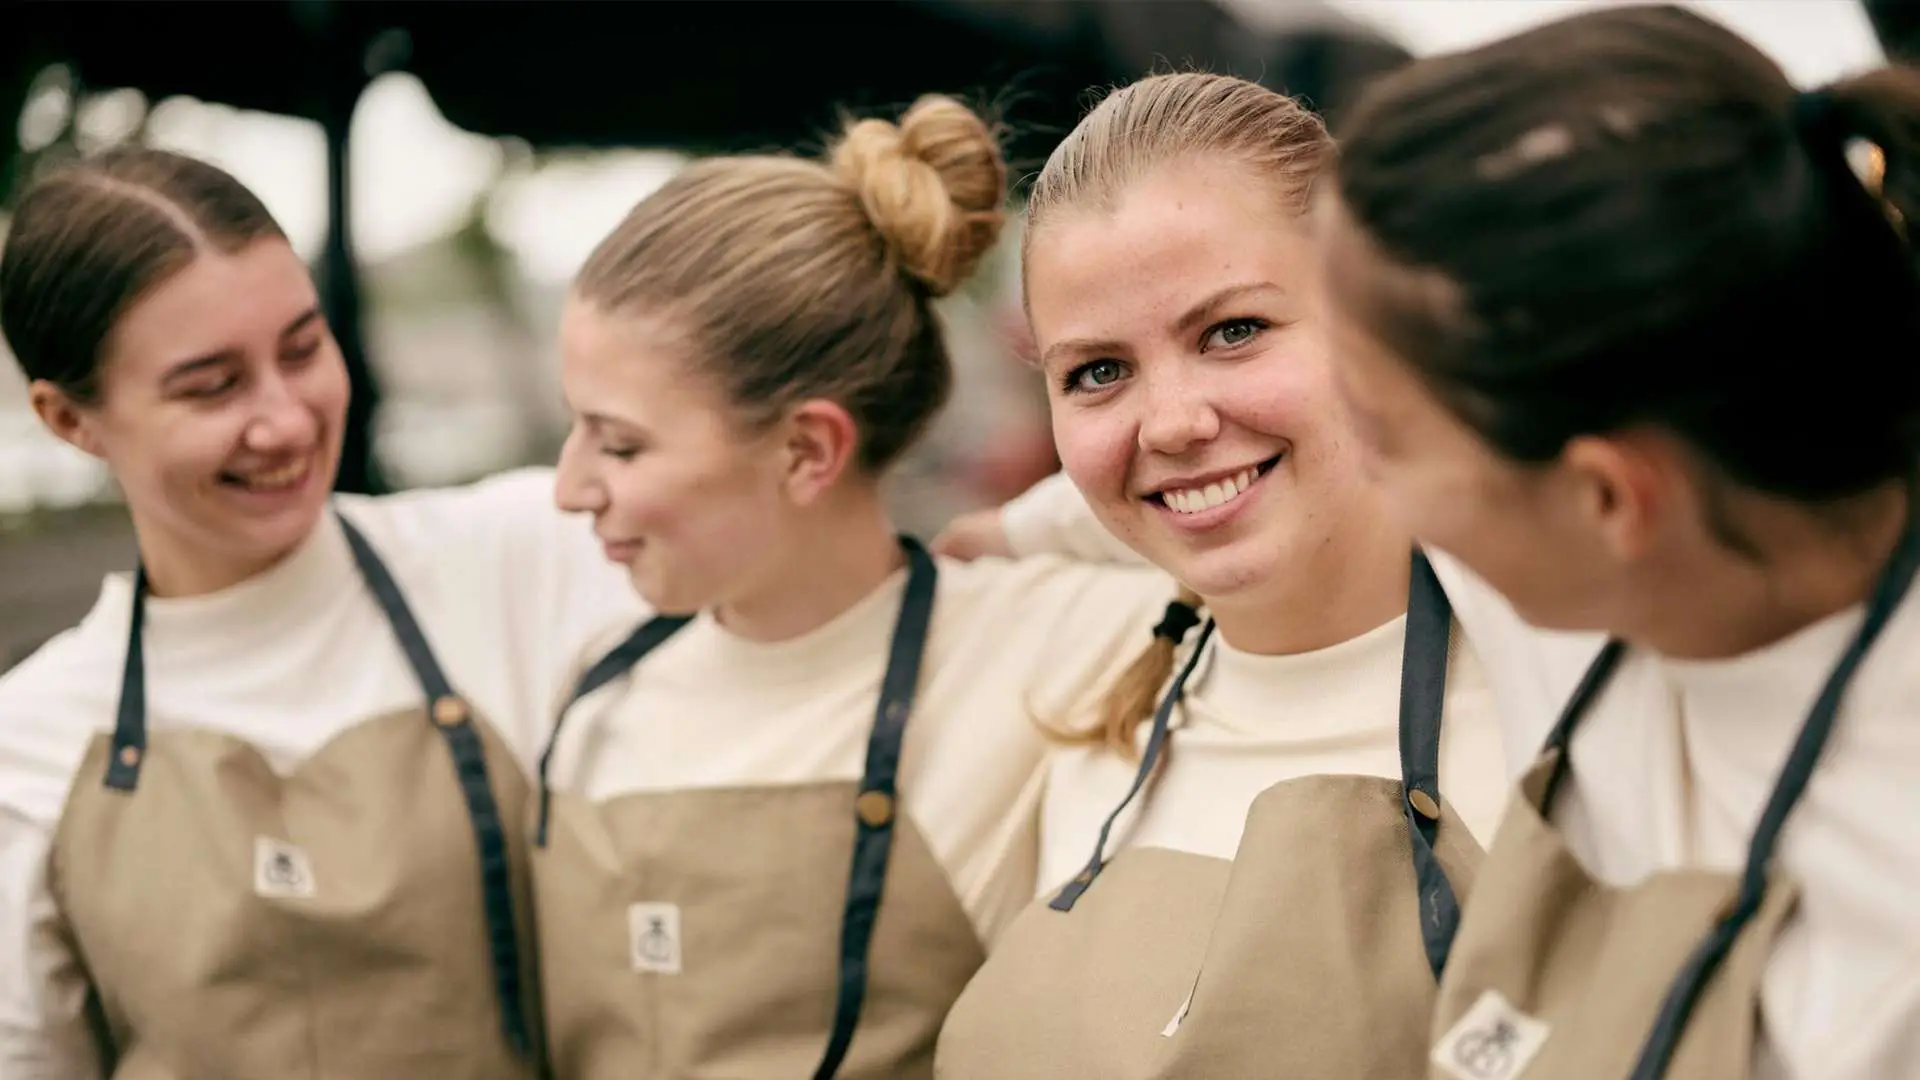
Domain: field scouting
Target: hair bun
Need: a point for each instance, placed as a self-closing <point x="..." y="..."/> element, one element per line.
<point x="934" y="186"/>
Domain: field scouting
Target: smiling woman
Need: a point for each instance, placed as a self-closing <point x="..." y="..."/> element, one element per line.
<point x="1258" y="882"/>
<point x="290" y="738"/>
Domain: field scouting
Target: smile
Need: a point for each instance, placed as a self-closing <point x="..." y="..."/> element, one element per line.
<point x="285" y="478"/>
<point x="1194" y="500"/>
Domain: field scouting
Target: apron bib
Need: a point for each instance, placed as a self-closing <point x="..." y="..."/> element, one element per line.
<point x="1556" y="974"/>
<point x="323" y="925"/>
<point x="1312" y="954"/>
<point x="736" y="933"/>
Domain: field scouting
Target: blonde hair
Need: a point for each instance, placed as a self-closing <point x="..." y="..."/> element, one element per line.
<point x="1159" y="122"/>
<point x="795" y="279"/>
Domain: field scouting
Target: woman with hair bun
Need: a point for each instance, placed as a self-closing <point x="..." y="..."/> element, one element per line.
<point x="781" y="821"/>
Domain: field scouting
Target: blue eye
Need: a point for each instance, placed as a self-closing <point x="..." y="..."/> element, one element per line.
<point x="1093" y="376"/>
<point x="1232" y="332"/>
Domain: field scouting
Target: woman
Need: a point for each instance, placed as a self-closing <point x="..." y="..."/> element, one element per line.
<point x="255" y="809"/>
<point x="1266" y="886"/>
<point x="1579" y="276"/>
<point x="1576" y="275"/>
<point x="783" y="819"/>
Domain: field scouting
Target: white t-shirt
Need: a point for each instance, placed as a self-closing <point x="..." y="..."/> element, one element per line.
<point x="1671" y="769"/>
<point x="1009" y="642"/>
<point x="507" y="590"/>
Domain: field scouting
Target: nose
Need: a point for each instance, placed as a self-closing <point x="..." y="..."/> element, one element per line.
<point x="1176" y="415"/>
<point x="575" y="487"/>
<point x="282" y="420"/>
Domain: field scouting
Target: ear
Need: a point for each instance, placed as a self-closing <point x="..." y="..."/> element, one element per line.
<point x="821" y="443"/>
<point x="1622" y="485"/>
<point x="73" y="423"/>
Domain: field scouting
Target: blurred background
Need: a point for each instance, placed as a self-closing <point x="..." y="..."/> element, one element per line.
<point x="446" y="165"/>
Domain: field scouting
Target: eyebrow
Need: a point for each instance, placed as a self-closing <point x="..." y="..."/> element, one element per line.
<point x="201" y="363"/>
<point x="1193" y="317"/>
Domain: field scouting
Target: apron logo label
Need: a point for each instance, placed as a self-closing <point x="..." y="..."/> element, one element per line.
<point x="1493" y="1041"/>
<point x="655" y="933"/>
<point x="281" y="871"/>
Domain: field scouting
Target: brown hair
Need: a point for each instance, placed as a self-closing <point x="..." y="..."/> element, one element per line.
<point x="1631" y="218"/>
<point x="1159" y="122"/>
<point x="90" y="238"/>
<point x="803" y="279"/>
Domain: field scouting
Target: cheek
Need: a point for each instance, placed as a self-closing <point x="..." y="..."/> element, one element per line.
<point x="1096" y="447"/>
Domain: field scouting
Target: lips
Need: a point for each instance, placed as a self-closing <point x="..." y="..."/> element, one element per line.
<point x="1214" y="493"/>
<point x="279" y="479"/>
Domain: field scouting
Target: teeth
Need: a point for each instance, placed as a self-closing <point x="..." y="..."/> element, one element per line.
<point x="1219" y="493"/>
<point x="285" y="476"/>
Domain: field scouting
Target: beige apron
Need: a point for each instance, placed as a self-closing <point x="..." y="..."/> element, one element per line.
<point x="1312" y="954"/>
<point x="323" y="925"/>
<point x="755" y="932"/>
<point x="1555" y="974"/>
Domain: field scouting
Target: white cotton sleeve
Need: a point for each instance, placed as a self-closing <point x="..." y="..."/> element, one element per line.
<point x="1052" y="518"/>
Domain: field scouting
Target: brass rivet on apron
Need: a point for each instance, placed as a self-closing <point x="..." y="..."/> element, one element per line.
<point x="449" y="711"/>
<point x="874" y="807"/>
<point x="1424" y="803"/>
<point x="896" y="709"/>
<point x="129" y="756"/>
<point x="1084" y="877"/>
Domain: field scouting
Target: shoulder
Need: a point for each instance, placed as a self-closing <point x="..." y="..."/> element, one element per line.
<point x="1052" y="586"/>
<point x="515" y="506"/>
<point x="51" y="705"/>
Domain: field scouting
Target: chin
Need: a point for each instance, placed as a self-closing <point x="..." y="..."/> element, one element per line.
<point x="1223" y="572"/>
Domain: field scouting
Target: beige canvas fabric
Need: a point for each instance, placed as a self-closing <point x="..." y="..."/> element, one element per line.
<point x="1301" y="958"/>
<point x="1555" y="974"/>
<point x="327" y="924"/>
<point x="696" y="934"/>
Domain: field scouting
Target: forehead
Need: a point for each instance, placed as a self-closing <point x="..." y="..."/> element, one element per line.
<point x="626" y="365"/>
<point x="1175" y="237"/>
<point x="217" y="303"/>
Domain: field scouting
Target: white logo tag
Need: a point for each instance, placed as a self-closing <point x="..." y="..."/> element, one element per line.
<point x="1493" y="1041"/>
<point x="1173" y="1025"/>
<point x="281" y="871"/>
<point x="655" y="933"/>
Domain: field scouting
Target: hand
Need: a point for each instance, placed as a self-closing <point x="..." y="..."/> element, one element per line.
<point x="972" y="535"/>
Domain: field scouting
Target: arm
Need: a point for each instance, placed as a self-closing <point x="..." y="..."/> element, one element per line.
<point x="43" y="991"/>
<point x="1050" y="518"/>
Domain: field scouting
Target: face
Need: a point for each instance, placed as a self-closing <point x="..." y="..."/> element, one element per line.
<point x="222" y="396"/>
<point x="1535" y="533"/>
<point x="1187" y="370"/>
<point x="691" y="502"/>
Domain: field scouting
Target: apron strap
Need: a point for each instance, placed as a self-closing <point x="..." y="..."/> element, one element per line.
<point x="649" y="636"/>
<point x="1070" y="893"/>
<point x="1423" y="697"/>
<point x="874" y="807"/>
<point x="1561" y="737"/>
<point x="454" y="719"/>
<point x="1675" y="1011"/>
<point x="130" y="719"/>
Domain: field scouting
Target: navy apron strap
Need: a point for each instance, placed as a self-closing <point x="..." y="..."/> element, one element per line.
<point x="454" y="720"/>
<point x="1560" y="739"/>
<point x="1685" y="992"/>
<point x="129" y="747"/>
<point x="649" y="636"/>
<point x="874" y="807"/>
<point x="1423" y="696"/>
<point x="1071" y="892"/>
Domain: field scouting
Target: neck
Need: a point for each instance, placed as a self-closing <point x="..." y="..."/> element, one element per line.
<point x="177" y="570"/>
<point x="1347" y="584"/>
<point x="1803" y="565"/>
<point x="838" y="555"/>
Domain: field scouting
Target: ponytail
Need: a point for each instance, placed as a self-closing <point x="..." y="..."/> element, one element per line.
<point x="1136" y="693"/>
